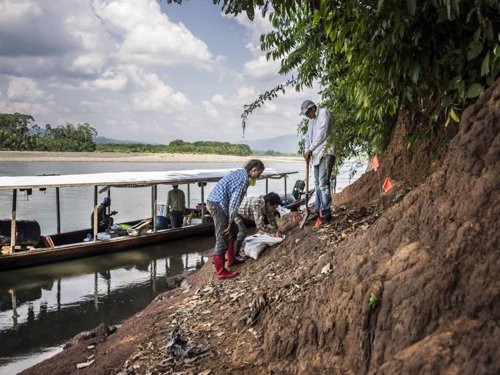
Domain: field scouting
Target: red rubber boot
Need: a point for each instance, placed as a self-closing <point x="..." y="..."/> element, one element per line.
<point x="231" y="259"/>
<point x="222" y="273"/>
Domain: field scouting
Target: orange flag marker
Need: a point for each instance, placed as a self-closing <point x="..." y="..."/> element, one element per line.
<point x="387" y="185"/>
<point x="318" y="221"/>
<point x="375" y="163"/>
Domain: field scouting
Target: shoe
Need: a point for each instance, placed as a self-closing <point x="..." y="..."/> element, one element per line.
<point x="237" y="252"/>
<point x="313" y="217"/>
<point x="326" y="217"/>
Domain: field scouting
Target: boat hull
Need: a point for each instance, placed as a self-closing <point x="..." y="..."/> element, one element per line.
<point x="69" y="245"/>
<point x="62" y="252"/>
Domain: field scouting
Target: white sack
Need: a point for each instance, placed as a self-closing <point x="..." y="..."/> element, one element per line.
<point x="255" y="244"/>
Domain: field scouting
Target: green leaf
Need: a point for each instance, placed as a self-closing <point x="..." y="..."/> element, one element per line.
<point x="316" y="18"/>
<point x="373" y="301"/>
<point x="411" y="4"/>
<point x="496" y="50"/>
<point x="454" y="115"/>
<point x="250" y="12"/>
<point x="461" y="88"/>
<point x="454" y="83"/>
<point x="485" y="66"/>
<point x="415" y="71"/>
<point x="446" y="102"/>
<point x="474" y="90"/>
<point x="473" y="50"/>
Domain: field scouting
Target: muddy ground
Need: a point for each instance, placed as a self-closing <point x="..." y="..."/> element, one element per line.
<point x="408" y="287"/>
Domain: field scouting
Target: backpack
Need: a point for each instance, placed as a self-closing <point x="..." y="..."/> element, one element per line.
<point x="298" y="189"/>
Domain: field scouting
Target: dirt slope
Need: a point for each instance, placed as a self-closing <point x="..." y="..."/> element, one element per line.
<point x="428" y="263"/>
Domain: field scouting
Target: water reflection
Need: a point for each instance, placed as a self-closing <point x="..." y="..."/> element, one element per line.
<point x="42" y="307"/>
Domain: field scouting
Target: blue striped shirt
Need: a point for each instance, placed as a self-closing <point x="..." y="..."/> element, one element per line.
<point x="229" y="192"/>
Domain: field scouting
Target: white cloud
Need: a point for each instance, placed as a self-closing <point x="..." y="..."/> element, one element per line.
<point x="23" y="90"/>
<point x="24" y="96"/>
<point x="164" y="45"/>
<point x="18" y="9"/>
<point x="147" y="37"/>
<point x="113" y="79"/>
<point x="262" y="69"/>
<point x="260" y="25"/>
<point x="210" y="108"/>
<point x="154" y="94"/>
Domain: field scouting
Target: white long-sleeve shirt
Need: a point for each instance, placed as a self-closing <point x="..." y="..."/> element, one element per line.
<point x="320" y="137"/>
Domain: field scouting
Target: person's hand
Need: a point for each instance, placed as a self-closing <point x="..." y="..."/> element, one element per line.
<point x="227" y="230"/>
<point x="307" y="154"/>
<point x="278" y="234"/>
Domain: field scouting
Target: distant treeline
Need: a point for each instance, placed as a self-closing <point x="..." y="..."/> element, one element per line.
<point x="19" y="132"/>
<point x="181" y="147"/>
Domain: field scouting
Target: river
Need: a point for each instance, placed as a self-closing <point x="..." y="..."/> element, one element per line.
<point x="43" y="307"/>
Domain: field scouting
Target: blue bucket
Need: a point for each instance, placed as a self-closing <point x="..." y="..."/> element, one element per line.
<point x="162" y="222"/>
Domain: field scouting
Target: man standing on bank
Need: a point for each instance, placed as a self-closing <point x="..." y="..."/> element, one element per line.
<point x="176" y="205"/>
<point x="320" y="149"/>
<point x="222" y="203"/>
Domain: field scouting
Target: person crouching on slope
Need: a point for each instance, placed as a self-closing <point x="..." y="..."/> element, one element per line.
<point x="222" y="203"/>
<point x="262" y="211"/>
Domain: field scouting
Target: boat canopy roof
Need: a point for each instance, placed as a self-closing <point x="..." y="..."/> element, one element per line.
<point x="125" y="179"/>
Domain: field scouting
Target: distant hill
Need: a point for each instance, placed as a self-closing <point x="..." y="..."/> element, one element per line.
<point x="286" y="144"/>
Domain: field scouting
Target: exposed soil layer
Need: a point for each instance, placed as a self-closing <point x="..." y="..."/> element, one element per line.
<point x="412" y="287"/>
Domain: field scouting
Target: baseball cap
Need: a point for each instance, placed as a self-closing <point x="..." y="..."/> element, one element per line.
<point x="305" y="106"/>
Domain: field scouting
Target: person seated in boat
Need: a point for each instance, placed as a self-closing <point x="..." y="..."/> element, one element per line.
<point x="176" y="205"/>
<point x="261" y="210"/>
<point x="104" y="220"/>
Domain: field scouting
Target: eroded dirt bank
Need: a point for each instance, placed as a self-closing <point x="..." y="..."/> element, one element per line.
<point x="411" y="289"/>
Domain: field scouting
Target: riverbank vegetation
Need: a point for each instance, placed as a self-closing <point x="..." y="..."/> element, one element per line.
<point x="19" y="132"/>
<point x="180" y="147"/>
<point x="376" y="60"/>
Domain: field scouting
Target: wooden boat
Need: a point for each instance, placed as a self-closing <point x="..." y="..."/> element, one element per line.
<point x="70" y="245"/>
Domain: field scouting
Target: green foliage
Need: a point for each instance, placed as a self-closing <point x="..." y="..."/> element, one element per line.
<point x="373" y="301"/>
<point x="14" y="131"/>
<point x="373" y="59"/>
<point x="67" y="138"/>
<point x="19" y="132"/>
<point x="181" y="147"/>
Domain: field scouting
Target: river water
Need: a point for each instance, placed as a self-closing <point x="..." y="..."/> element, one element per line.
<point x="43" y="307"/>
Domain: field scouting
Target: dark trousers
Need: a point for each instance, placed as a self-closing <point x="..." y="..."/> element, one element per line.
<point x="221" y="222"/>
<point x="176" y="219"/>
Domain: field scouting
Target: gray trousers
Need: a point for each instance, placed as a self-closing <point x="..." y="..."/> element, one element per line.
<point x="242" y="229"/>
<point x="221" y="222"/>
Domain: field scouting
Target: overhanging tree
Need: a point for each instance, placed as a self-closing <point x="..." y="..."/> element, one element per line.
<point x="374" y="59"/>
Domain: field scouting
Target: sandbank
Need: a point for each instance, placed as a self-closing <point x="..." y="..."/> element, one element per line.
<point x="41" y="156"/>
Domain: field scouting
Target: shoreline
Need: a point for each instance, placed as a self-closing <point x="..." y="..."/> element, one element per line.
<point x="42" y="156"/>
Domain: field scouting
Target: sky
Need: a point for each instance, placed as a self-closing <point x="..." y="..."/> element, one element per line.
<point x="141" y="70"/>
